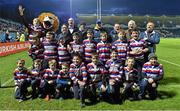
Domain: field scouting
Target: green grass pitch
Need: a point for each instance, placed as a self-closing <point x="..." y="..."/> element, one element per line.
<point x="168" y="52"/>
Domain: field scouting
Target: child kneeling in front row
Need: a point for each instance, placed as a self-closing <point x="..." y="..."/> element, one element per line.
<point x="130" y="90"/>
<point x="115" y="71"/>
<point x="21" y="80"/>
<point x="97" y="73"/>
<point x="48" y="82"/>
<point x="78" y="74"/>
<point x="153" y="72"/>
<point x="63" y="83"/>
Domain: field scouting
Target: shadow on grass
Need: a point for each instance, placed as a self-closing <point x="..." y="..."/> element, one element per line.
<point x="166" y="94"/>
<point x="106" y="99"/>
<point x="11" y="86"/>
<point x="168" y="80"/>
<point x="90" y="103"/>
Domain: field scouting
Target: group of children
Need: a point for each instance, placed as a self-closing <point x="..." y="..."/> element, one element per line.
<point x="98" y="71"/>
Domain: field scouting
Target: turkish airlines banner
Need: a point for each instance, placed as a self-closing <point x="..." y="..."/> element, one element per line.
<point x="13" y="47"/>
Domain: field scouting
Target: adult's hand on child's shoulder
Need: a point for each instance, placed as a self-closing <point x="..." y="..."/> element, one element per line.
<point x="81" y="83"/>
<point x="111" y="81"/>
<point x="103" y="88"/>
<point x="150" y="80"/>
<point x="50" y="82"/>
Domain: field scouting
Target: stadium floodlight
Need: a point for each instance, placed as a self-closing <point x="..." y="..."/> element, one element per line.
<point x="100" y="8"/>
<point x="130" y="15"/>
<point x="170" y="22"/>
<point x="99" y="3"/>
<point x="71" y="10"/>
<point x="164" y="18"/>
<point x="112" y="14"/>
<point x="145" y="22"/>
<point x="147" y="16"/>
<point x="158" y="22"/>
<point x="97" y="9"/>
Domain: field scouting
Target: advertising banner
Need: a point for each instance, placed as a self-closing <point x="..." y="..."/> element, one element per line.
<point x="13" y="47"/>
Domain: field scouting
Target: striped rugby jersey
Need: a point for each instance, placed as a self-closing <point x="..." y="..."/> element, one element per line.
<point x="63" y="75"/>
<point x="36" y="73"/>
<point x="137" y="45"/>
<point x="122" y="48"/>
<point x="36" y="50"/>
<point x="89" y="47"/>
<point x="21" y="74"/>
<point x="78" y="72"/>
<point x="115" y="69"/>
<point x="96" y="72"/>
<point x="31" y="29"/>
<point x="104" y="51"/>
<point x="50" y="50"/>
<point x="63" y="54"/>
<point x="76" y="47"/>
<point x="49" y="74"/>
<point x="153" y="71"/>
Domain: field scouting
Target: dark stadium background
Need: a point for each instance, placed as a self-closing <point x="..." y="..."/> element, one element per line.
<point x="164" y="13"/>
<point x="8" y="8"/>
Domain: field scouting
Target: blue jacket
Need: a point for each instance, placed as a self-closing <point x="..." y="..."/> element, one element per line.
<point x="152" y="39"/>
<point x="113" y="35"/>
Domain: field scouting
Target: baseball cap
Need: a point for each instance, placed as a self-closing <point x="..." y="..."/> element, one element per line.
<point x="98" y="21"/>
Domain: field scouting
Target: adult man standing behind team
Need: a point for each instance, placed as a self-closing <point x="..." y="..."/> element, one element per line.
<point x="97" y="30"/>
<point x="151" y="37"/>
<point x="131" y="26"/>
<point x="71" y="26"/>
<point x="115" y="31"/>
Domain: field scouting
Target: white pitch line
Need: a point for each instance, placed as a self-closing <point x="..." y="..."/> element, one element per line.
<point x="170" y="62"/>
<point x="8" y="81"/>
<point x="171" y="85"/>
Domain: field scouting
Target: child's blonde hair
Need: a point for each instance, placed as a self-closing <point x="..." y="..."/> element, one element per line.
<point x="103" y="34"/>
<point x="94" y="55"/>
<point x="122" y="31"/>
<point x="38" y="61"/>
<point x="130" y="58"/>
<point x="65" y="65"/>
<point x="52" y="62"/>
